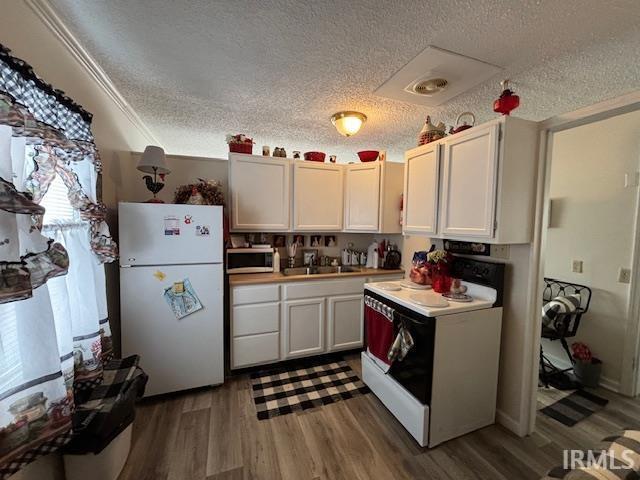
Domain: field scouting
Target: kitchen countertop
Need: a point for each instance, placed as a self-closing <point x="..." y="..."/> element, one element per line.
<point x="257" y="278"/>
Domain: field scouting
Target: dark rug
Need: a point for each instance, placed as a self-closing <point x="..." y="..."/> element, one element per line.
<point x="575" y="407"/>
<point x="286" y="390"/>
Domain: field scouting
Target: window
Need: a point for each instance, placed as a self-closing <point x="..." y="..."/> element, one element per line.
<point x="58" y="209"/>
<point x="10" y="363"/>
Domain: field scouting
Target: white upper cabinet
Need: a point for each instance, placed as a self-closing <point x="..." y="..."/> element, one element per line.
<point x="260" y="193"/>
<point x="362" y="197"/>
<point x="486" y="184"/>
<point x="470" y="164"/>
<point x="270" y="194"/>
<point x="421" y="177"/>
<point x="317" y="196"/>
<point x="372" y="197"/>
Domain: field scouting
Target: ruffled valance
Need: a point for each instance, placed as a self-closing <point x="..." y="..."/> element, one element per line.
<point x="55" y="154"/>
<point x="47" y="105"/>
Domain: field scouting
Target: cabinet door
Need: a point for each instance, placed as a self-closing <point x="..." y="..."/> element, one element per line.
<point x="318" y="197"/>
<point x="303" y="327"/>
<point x="260" y="193"/>
<point x="469" y="172"/>
<point x="421" y="176"/>
<point x="345" y="325"/>
<point x="362" y="197"/>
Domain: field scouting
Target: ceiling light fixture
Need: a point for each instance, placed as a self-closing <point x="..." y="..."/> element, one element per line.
<point x="348" y="123"/>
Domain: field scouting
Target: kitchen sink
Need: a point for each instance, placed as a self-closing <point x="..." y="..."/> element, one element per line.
<point x="288" y="272"/>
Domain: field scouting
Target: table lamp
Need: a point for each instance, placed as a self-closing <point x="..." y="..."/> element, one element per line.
<point x="153" y="161"/>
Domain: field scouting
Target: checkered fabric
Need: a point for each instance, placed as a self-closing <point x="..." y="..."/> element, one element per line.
<point x="118" y="376"/>
<point x="42" y="102"/>
<point x="22" y="461"/>
<point x="283" y="391"/>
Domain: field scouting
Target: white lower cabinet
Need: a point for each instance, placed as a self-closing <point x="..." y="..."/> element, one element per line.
<point x="255" y="349"/>
<point x="313" y="317"/>
<point x="345" y="328"/>
<point x="303" y="328"/>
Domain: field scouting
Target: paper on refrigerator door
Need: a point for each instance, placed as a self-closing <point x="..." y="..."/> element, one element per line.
<point x="183" y="301"/>
<point x="171" y="225"/>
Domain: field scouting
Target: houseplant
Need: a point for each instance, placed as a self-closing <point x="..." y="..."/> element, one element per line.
<point x="586" y="367"/>
<point x="438" y="263"/>
<point x="240" y="143"/>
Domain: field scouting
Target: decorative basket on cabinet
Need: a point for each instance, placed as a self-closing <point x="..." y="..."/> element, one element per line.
<point x="240" y="143"/>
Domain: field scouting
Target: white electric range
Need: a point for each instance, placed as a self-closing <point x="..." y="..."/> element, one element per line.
<point x="446" y="386"/>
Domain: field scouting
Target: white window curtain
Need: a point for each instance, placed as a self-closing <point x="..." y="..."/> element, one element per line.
<point x="54" y="329"/>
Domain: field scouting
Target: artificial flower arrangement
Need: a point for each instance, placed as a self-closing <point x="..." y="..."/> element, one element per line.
<point x="439" y="259"/>
<point x="582" y="353"/>
<point x="240" y="143"/>
<point x="205" y="192"/>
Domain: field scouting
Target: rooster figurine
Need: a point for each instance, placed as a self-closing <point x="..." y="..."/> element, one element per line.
<point x="154" y="187"/>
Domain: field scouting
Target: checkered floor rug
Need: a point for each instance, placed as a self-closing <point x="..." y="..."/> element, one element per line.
<point x="286" y="390"/>
<point x="575" y="407"/>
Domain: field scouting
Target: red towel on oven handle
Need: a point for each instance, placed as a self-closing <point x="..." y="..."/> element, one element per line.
<point x="379" y="334"/>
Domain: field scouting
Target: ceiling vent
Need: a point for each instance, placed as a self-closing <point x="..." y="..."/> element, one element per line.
<point x="435" y="76"/>
<point x="429" y="87"/>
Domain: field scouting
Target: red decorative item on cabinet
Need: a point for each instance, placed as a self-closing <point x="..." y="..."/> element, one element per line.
<point x="508" y="100"/>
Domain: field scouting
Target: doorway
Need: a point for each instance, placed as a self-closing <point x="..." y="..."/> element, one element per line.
<point x="588" y="224"/>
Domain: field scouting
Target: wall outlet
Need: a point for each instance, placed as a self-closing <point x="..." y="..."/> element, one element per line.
<point x="624" y="275"/>
<point x="576" y="266"/>
<point x="500" y="251"/>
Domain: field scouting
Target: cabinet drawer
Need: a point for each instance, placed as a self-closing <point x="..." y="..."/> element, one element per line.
<point x="257" y="318"/>
<point x="255" y="350"/>
<point x="255" y="294"/>
<point x="323" y="288"/>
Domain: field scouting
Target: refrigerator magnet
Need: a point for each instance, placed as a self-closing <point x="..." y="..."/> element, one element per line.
<point x="159" y="275"/>
<point x="188" y="219"/>
<point x="203" y="230"/>
<point x="171" y="225"/>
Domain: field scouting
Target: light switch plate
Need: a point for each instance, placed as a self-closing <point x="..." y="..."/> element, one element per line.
<point x="576" y="266"/>
<point x="624" y="275"/>
<point x="631" y="179"/>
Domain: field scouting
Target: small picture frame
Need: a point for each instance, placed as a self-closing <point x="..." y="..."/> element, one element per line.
<point x="298" y="240"/>
<point x="310" y="256"/>
<point x="330" y="241"/>
<point x="279" y="241"/>
<point x="315" y="241"/>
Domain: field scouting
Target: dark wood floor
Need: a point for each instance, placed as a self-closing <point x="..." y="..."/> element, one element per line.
<point x="213" y="434"/>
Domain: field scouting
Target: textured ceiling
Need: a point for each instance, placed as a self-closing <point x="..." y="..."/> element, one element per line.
<point x="277" y="69"/>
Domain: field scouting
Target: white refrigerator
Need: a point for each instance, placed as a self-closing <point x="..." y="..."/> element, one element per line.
<point x="171" y="293"/>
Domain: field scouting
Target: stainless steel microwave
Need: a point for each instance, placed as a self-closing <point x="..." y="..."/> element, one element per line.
<point x="249" y="260"/>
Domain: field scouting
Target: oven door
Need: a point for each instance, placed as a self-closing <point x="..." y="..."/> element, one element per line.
<point x="415" y="371"/>
<point x="249" y="260"/>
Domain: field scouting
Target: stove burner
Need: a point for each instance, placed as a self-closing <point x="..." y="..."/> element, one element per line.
<point x="458" y="297"/>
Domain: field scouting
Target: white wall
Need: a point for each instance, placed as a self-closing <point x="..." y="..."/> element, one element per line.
<point x="592" y="220"/>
